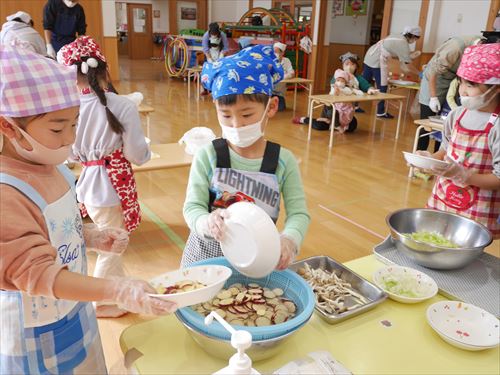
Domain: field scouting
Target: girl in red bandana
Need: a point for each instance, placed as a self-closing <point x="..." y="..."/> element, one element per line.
<point x="470" y="184"/>
<point x="108" y="139"/>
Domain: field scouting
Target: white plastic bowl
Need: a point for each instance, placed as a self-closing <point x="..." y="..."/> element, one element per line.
<point x="423" y="162"/>
<point x="212" y="276"/>
<point x="425" y="286"/>
<point x="251" y="242"/>
<point x="463" y="325"/>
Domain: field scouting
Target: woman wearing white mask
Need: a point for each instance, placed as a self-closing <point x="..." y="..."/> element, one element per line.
<point x="243" y="165"/>
<point x="470" y="184"/>
<point x="19" y="27"/>
<point x="375" y="65"/>
<point x="214" y="43"/>
<point x="63" y="21"/>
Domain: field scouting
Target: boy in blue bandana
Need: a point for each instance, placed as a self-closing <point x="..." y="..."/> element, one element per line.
<point x="243" y="164"/>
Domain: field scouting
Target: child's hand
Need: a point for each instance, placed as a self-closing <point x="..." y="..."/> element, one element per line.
<point x="289" y="251"/>
<point x="111" y="240"/>
<point x="133" y="295"/>
<point x="454" y="171"/>
<point x="215" y="224"/>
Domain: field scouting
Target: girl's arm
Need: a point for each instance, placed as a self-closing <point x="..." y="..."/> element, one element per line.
<point x="297" y="217"/>
<point x="484" y="181"/>
<point x="77" y="287"/>
<point x="135" y="148"/>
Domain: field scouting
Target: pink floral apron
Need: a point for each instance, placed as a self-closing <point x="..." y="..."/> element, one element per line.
<point x="470" y="148"/>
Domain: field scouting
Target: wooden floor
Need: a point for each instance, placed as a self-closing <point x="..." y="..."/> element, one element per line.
<point x="350" y="189"/>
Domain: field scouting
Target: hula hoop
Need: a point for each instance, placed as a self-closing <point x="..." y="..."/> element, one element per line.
<point x="177" y="51"/>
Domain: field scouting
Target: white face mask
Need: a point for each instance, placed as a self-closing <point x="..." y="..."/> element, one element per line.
<point x="40" y="153"/>
<point x="69" y="3"/>
<point x="349" y="68"/>
<point x="340" y="84"/>
<point x="474" y="103"/>
<point x="214" y="40"/>
<point x="246" y="135"/>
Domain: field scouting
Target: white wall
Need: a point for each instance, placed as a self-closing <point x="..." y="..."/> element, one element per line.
<point x="227" y="10"/>
<point x="262" y="4"/>
<point x="160" y="25"/>
<point x="407" y="13"/>
<point x="351" y="30"/>
<point x="454" y="18"/>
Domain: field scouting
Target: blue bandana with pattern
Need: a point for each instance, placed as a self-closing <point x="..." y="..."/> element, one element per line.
<point x="253" y="70"/>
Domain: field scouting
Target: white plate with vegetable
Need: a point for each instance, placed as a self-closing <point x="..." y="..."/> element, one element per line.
<point x="423" y="162"/>
<point x="404" y="284"/>
<point x="191" y="286"/>
<point x="463" y="325"/>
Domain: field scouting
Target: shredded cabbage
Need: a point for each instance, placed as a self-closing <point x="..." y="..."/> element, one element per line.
<point x="405" y="286"/>
<point x="432" y="238"/>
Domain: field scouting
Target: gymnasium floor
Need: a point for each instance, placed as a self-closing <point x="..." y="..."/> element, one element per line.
<point x="349" y="189"/>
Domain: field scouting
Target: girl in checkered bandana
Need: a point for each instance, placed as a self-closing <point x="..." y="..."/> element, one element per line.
<point x="108" y="139"/>
<point x="470" y="184"/>
<point x="47" y="320"/>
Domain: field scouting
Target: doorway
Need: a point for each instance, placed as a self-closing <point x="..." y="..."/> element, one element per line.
<point x="140" y="31"/>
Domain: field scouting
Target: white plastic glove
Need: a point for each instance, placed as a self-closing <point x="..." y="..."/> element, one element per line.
<point x="415" y="54"/>
<point x="133" y="295"/>
<point x="213" y="226"/>
<point x="434" y="104"/>
<point x="358" y="92"/>
<point x="51" y="52"/>
<point x="110" y="240"/>
<point x="289" y="251"/>
<point x="372" y="91"/>
<point x="221" y="55"/>
<point x="454" y="171"/>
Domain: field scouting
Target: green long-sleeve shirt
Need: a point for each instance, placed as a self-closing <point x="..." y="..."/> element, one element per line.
<point x="196" y="205"/>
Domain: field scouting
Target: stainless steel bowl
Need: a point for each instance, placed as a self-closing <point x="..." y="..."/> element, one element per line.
<point x="222" y="349"/>
<point x="470" y="236"/>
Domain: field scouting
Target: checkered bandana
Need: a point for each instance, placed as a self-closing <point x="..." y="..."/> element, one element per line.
<point x="31" y="84"/>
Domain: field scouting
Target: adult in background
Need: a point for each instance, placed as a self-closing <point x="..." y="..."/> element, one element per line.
<point x="19" y="26"/>
<point x="280" y="88"/>
<point x="63" y="21"/>
<point x="214" y="43"/>
<point x="375" y="65"/>
<point x="437" y="77"/>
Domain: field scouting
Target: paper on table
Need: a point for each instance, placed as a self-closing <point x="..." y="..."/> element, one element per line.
<point x="320" y="362"/>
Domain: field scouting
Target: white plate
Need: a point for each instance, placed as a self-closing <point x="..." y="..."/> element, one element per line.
<point x="251" y="241"/>
<point x="403" y="82"/>
<point x="212" y="276"/>
<point x="425" y="286"/>
<point x="463" y="325"/>
<point x="423" y="162"/>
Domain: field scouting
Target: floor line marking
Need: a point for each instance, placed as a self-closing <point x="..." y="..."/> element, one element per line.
<point x="174" y="237"/>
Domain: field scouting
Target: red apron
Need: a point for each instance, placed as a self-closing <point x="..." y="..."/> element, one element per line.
<point x="122" y="179"/>
<point x="470" y="148"/>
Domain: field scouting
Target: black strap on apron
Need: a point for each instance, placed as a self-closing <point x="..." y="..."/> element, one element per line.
<point x="269" y="161"/>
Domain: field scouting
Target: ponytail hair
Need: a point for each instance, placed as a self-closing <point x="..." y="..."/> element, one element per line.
<point x="95" y="76"/>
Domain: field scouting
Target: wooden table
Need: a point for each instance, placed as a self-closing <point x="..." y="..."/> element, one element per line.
<point x="409" y="88"/>
<point x="297" y="81"/>
<point x="194" y="72"/>
<point x="316" y="101"/>
<point x="431" y="127"/>
<point x="393" y="338"/>
<point x="146" y="110"/>
<point x="165" y="156"/>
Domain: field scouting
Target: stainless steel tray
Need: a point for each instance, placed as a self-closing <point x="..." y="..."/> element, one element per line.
<point x="368" y="290"/>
